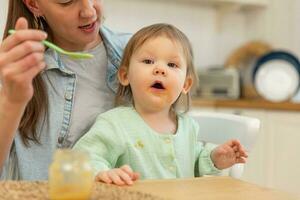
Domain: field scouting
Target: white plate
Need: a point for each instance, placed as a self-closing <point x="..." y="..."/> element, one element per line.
<point x="277" y="80"/>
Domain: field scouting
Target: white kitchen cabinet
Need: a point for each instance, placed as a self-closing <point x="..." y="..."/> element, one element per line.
<point x="283" y="153"/>
<point x="275" y="159"/>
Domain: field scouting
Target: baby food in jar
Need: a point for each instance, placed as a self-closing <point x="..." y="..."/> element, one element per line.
<point x="70" y="175"/>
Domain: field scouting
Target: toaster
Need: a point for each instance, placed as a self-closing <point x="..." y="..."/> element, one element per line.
<point x="218" y="83"/>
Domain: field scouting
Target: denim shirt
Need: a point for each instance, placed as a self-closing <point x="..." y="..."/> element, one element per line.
<point x="32" y="163"/>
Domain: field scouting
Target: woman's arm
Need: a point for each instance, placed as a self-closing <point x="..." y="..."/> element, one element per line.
<point x="10" y="116"/>
<point x="21" y="59"/>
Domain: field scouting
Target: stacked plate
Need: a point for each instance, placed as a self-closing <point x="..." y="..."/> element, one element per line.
<point x="276" y="76"/>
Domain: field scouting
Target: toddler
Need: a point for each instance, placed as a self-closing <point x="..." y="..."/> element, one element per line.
<point x="147" y="136"/>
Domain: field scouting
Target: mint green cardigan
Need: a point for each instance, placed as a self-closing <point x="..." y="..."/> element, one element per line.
<point x="120" y="136"/>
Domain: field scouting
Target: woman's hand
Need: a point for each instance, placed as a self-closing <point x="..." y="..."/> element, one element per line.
<point x="119" y="176"/>
<point x="21" y="59"/>
<point x="228" y="154"/>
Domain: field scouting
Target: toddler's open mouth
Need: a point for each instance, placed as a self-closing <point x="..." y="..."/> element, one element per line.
<point x="158" y="85"/>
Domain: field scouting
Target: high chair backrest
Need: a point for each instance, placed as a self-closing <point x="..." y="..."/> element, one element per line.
<point x="218" y="128"/>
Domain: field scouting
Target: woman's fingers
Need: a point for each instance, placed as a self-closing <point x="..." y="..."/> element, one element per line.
<point x="21" y="71"/>
<point x="18" y="88"/>
<point x="22" y="50"/>
<point x="21" y="24"/>
<point x="32" y="72"/>
<point x="24" y="64"/>
<point x="21" y="59"/>
<point x="20" y="36"/>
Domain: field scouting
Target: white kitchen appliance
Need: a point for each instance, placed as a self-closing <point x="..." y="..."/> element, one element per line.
<point x="219" y="83"/>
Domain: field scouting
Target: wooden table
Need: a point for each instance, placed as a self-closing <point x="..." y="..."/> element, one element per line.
<point x="209" y="188"/>
<point x="38" y="190"/>
<point x="205" y="188"/>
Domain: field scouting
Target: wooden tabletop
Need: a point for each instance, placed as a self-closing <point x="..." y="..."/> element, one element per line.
<point x="204" y="188"/>
<point x="209" y="188"/>
<point x="246" y="103"/>
<point x="38" y="190"/>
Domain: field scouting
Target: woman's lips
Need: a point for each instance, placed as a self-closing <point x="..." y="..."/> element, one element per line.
<point x="88" y="28"/>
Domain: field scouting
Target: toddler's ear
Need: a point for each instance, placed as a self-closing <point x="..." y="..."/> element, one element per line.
<point x="123" y="76"/>
<point x="187" y="85"/>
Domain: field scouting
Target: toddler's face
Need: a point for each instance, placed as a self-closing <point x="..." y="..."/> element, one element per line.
<point x="75" y="23"/>
<point x="157" y="73"/>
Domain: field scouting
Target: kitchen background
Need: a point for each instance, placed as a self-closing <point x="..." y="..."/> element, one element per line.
<point x="216" y="28"/>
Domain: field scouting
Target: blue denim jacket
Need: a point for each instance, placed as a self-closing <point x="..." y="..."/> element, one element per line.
<point x="32" y="163"/>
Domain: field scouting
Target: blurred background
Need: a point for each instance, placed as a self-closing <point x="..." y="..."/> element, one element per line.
<point x="247" y="57"/>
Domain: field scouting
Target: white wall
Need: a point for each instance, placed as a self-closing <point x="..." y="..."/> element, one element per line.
<point x="213" y="36"/>
<point x="3" y="13"/>
<point x="201" y="25"/>
<point x="279" y="25"/>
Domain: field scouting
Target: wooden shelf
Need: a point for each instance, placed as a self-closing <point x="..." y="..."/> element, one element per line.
<point x="246" y="103"/>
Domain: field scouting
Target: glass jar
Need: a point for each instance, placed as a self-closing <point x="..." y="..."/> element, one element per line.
<point x="70" y="175"/>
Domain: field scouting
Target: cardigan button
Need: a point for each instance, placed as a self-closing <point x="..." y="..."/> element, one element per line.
<point x="167" y="140"/>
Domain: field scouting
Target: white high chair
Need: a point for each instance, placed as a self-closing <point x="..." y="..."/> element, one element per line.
<point x="217" y="128"/>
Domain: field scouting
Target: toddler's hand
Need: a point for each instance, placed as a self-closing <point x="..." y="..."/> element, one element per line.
<point x="228" y="154"/>
<point x="119" y="176"/>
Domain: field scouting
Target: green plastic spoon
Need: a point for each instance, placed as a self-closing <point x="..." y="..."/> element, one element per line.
<point x="75" y="55"/>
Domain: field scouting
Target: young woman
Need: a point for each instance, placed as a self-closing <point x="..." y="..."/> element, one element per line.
<point x="48" y="100"/>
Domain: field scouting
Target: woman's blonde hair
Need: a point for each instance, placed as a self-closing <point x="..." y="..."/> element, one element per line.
<point x="124" y="94"/>
<point x="37" y="108"/>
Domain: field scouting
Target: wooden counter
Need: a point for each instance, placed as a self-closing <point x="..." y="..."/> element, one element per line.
<point x="246" y="103"/>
